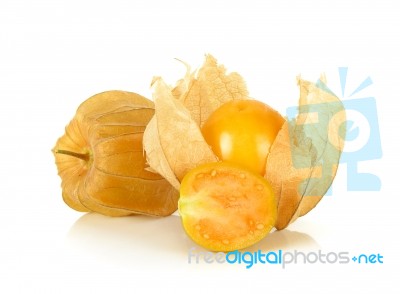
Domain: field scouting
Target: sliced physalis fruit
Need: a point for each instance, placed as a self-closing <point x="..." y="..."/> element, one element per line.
<point x="242" y="132"/>
<point x="224" y="207"/>
<point x="101" y="161"/>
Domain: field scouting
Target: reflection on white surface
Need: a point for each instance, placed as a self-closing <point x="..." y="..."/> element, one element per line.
<point x="285" y="239"/>
<point x="148" y="240"/>
<point x="138" y="239"/>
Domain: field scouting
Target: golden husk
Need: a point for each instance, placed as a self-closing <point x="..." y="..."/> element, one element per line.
<point x="101" y="162"/>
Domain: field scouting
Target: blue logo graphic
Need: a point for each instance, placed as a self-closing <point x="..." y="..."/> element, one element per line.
<point x="362" y="139"/>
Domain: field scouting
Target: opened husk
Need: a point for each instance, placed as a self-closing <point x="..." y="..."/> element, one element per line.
<point x="304" y="157"/>
<point x="173" y="141"/>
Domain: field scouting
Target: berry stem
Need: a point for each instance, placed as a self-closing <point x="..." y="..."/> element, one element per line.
<point x="85" y="157"/>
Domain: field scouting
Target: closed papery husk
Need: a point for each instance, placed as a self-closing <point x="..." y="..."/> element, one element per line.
<point x="101" y="162"/>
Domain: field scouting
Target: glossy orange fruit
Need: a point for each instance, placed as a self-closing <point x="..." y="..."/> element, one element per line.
<point x="242" y="132"/>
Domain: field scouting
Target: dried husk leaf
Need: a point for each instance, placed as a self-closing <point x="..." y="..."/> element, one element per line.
<point x="107" y="172"/>
<point x="212" y="87"/>
<point x="173" y="141"/>
<point x="304" y="157"/>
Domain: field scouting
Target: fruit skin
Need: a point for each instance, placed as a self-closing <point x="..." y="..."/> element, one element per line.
<point x="101" y="162"/>
<point x="225" y="207"/>
<point x="242" y="132"/>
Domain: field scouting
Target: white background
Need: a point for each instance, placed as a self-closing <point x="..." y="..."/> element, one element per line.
<point x="55" y="54"/>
